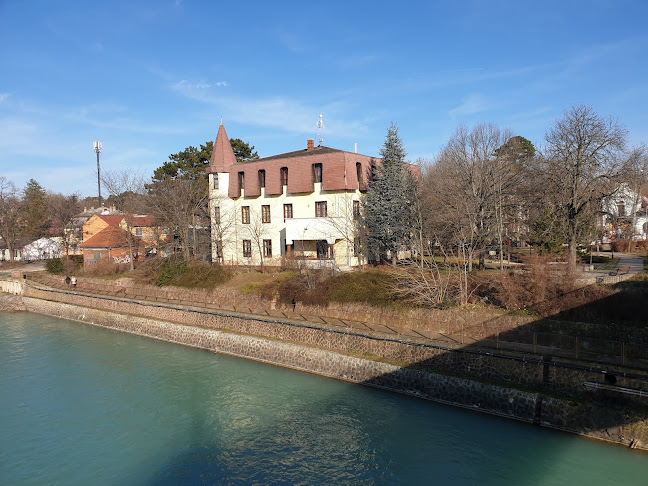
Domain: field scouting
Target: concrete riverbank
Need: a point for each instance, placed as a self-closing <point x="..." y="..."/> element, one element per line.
<point x="526" y="388"/>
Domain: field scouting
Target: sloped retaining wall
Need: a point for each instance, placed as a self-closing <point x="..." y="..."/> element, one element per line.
<point x="583" y="418"/>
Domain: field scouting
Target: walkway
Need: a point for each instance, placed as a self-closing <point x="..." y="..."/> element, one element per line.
<point x="635" y="262"/>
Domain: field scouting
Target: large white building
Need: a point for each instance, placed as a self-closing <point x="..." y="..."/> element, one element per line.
<point x="625" y="214"/>
<point x="300" y="205"/>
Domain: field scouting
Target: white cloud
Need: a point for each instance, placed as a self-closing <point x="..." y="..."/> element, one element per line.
<point x="278" y="113"/>
<point x="186" y="85"/>
<point x="472" y="104"/>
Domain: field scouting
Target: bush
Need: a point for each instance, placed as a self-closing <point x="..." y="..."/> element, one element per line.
<point x="105" y="268"/>
<point x="55" y="266"/>
<point x="318" y="287"/>
<point x="371" y="287"/>
<point x="196" y="275"/>
<point x="175" y="271"/>
<point x="169" y="269"/>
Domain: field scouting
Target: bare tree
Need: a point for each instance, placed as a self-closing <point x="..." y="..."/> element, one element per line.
<point x="257" y="230"/>
<point x="180" y="205"/>
<point x="345" y="220"/>
<point x="464" y="190"/>
<point x="10" y="220"/>
<point x="63" y="211"/>
<point x="126" y="189"/>
<point x="582" y="164"/>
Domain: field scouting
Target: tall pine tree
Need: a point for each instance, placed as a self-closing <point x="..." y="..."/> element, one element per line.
<point x="34" y="210"/>
<point x="390" y="203"/>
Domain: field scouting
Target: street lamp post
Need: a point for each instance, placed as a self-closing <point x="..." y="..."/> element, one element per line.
<point x="97" y="148"/>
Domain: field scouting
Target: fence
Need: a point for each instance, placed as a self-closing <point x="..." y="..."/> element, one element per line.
<point x="500" y="333"/>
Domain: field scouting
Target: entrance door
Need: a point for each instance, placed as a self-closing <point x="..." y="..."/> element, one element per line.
<point x="322" y="249"/>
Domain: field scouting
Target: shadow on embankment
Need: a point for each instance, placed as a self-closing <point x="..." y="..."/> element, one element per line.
<point x="532" y="373"/>
<point x="586" y="377"/>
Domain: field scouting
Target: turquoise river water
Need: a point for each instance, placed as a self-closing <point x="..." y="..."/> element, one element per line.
<point x="82" y="405"/>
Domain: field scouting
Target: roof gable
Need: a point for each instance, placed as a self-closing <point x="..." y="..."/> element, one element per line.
<point x="110" y="237"/>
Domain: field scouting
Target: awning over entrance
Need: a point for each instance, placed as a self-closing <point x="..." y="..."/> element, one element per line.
<point x="300" y="229"/>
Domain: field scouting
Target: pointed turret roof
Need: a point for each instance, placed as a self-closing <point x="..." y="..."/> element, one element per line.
<point x="222" y="157"/>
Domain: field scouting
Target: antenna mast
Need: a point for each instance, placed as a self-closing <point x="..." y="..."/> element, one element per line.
<point x="320" y="127"/>
<point x="97" y="148"/>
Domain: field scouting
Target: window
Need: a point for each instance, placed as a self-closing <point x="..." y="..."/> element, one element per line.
<point x="317" y="172"/>
<point x="262" y="178"/>
<point x="267" y="248"/>
<point x="138" y="232"/>
<point x="219" y="249"/>
<point x="95" y="255"/>
<point x="621" y="209"/>
<point x="247" y="248"/>
<point x="283" y="173"/>
<point x="217" y="219"/>
<point x="356" y="209"/>
<point x="241" y="180"/>
<point x="356" y="247"/>
<point x="320" y="209"/>
<point x="214" y="181"/>
<point x="359" y="174"/>
<point x="245" y="215"/>
<point x="288" y="214"/>
<point x="265" y="213"/>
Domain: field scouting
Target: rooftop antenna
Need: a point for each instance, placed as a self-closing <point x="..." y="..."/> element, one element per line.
<point x="320" y="127"/>
<point x="97" y="148"/>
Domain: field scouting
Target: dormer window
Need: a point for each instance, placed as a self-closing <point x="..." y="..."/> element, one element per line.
<point x="317" y="172"/>
<point x="359" y="174"/>
<point x="621" y="209"/>
<point x="262" y="178"/>
<point x="241" y="181"/>
<point x="283" y="173"/>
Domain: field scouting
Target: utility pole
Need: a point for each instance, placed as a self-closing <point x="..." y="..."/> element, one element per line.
<point x="97" y="148"/>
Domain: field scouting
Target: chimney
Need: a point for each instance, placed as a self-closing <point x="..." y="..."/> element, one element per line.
<point x="311" y="144"/>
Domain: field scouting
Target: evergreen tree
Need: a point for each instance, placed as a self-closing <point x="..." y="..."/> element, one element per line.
<point x="34" y="210"/>
<point x="390" y="202"/>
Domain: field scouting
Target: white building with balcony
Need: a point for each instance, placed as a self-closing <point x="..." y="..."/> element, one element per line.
<point x="302" y="205"/>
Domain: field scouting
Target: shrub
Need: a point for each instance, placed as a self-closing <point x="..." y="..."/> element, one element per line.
<point x="370" y="286"/>
<point x="200" y="275"/>
<point x="55" y="266"/>
<point x="105" y="268"/>
<point x="169" y="269"/>
<point x="175" y="271"/>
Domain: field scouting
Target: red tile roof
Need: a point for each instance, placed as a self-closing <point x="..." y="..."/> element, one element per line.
<point x="110" y="237"/>
<point x="112" y="219"/>
<point x="142" y="220"/>
<point x="222" y="155"/>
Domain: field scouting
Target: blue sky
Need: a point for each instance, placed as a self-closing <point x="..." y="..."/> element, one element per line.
<point x="149" y="78"/>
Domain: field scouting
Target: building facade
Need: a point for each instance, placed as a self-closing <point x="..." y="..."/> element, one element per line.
<point x="625" y="214"/>
<point x="113" y="237"/>
<point x="302" y="205"/>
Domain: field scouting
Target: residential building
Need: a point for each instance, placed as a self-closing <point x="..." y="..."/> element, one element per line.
<point x="625" y="214"/>
<point x="300" y="205"/>
<point x="106" y="237"/>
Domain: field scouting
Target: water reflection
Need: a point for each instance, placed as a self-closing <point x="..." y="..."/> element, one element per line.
<point x="86" y="405"/>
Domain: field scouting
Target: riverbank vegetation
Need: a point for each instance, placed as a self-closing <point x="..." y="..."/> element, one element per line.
<point x="538" y="287"/>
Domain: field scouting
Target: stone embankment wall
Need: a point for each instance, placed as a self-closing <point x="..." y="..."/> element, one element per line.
<point x="510" y="386"/>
